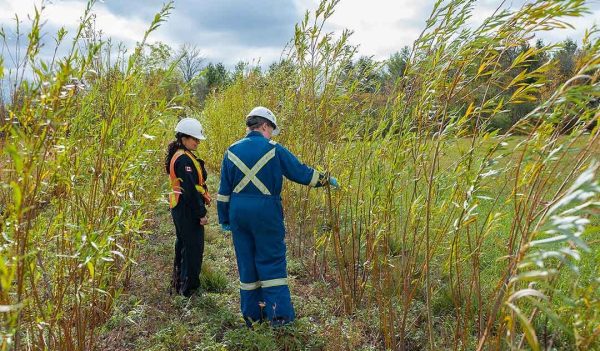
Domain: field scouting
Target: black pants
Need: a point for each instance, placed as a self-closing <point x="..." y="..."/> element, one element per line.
<point x="189" y="251"/>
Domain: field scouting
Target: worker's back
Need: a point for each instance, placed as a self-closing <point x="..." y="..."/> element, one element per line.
<point x="252" y="166"/>
<point x="251" y="180"/>
<point x="255" y="166"/>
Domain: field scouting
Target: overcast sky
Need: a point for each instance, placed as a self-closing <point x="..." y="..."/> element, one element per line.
<point x="232" y="30"/>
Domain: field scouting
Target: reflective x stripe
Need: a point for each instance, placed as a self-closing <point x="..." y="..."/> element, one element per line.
<point x="222" y="198"/>
<point x="249" y="286"/>
<point x="273" y="282"/>
<point x="250" y="174"/>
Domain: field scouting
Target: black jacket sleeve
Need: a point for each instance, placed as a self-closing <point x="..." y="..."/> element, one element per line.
<point x="188" y="176"/>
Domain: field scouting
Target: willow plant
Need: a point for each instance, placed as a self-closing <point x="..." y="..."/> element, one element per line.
<point x="438" y="210"/>
<point x="81" y="158"/>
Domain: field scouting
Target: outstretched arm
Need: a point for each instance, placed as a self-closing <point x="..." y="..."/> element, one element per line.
<point x="297" y="171"/>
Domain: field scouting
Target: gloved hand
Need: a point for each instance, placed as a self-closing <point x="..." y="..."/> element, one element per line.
<point x="225" y="227"/>
<point x="333" y="182"/>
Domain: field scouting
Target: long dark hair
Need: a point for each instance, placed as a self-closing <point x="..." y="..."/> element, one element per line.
<point x="172" y="148"/>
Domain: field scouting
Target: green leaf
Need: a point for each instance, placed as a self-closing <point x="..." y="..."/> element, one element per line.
<point x="15" y="156"/>
<point x="530" y="335"/>
<point x="17" y="196"/>
<point x="553" y="316"/>
<point x="90" y="267"/>
<point x="534" y="275"/>
<point x="526" y="293"/>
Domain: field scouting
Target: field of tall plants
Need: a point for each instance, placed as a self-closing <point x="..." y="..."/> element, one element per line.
<point x="80" y="138"/>
<point x="445" y="233"/>
<point x="451" y="235"/>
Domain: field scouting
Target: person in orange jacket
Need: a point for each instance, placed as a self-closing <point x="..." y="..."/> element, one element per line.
<point x="188" y="201"/>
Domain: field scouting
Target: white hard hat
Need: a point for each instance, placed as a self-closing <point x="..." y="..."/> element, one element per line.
<point x="190" y="126"/>
<point x="265" y="113"/>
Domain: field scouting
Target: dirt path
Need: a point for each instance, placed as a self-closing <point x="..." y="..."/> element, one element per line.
<point x="146" y="317"/>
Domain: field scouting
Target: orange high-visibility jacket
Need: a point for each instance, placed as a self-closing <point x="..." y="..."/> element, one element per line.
<point x="176" y="187"/>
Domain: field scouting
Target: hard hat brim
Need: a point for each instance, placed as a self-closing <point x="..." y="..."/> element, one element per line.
<point x="199" y="137"/>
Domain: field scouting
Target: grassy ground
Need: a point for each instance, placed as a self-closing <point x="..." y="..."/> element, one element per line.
<point x="147" y="317"/>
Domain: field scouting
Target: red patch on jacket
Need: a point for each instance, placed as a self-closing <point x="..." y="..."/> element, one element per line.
<point x="188" y="168"/>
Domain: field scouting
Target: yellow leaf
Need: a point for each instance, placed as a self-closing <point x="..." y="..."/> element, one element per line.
<point x="90" y="267"/>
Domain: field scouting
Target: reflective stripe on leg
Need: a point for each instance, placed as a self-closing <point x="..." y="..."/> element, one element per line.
<point x="274" y="282"/>
<point x="249" y="286"/>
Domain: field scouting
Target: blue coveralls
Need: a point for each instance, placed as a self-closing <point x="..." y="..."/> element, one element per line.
<point x="249" y="201"/>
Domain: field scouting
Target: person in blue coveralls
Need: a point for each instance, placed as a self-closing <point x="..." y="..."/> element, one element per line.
<point x="188" y="200"/>
<point x="249" y="205"/>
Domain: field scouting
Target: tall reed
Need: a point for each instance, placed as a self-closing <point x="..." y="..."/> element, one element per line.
<point x="437" y="211"/>
<point x="81" y="171"/>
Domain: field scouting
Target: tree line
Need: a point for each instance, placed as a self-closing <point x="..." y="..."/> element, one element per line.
<point x="378" y="80"/>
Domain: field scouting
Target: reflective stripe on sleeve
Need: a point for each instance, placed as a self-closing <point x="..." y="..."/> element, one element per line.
<point x="249" y="286"/>
<point x="274" y="282"/>
<point x="315" y="178"/>
<point x="222" y="198"/>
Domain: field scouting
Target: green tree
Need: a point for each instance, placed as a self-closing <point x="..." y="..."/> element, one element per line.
<point x="216" y="76"/>
<point x="396" y="64"/>
<point x="213" y="77"/>
<point x="566" y="58"/>
<point x="541" y="55"/>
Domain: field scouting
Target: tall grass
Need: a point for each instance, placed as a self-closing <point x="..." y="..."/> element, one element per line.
<point x="82" y="145"/>
<point x="437" y="214"/>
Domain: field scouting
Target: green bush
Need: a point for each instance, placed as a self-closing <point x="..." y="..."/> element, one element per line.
<point x="259" y="338"/>
<point x="212" y="280"/>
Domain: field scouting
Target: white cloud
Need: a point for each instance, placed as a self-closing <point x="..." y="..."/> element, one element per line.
<point x="120" y="27"/>
<point x="232" y="54"/>
<point x="68" y="14"/>
<point x="486" y="8"/>
<point x="580" y="25"/>
<point x="381" y="27"/>
<point x="11" y="7"/>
